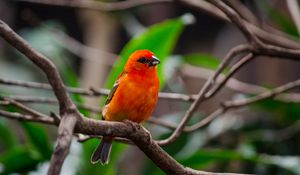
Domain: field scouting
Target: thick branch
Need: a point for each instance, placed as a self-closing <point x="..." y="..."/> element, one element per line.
<point x="65" y="133"/>
<point x="128" y="130"/>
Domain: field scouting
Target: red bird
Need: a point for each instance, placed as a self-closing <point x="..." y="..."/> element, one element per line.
<point x="133" y="96"/>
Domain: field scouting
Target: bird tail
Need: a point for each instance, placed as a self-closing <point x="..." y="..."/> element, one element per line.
<point x="102" y="152"/>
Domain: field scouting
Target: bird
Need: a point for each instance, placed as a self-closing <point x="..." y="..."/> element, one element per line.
<point x="133" y="97"/>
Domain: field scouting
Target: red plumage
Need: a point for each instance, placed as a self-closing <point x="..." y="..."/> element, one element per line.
<point x="133" y="96"/>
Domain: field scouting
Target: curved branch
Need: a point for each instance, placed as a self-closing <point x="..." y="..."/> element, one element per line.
<point x="42" y="62"/>
<point x="129" y="130"/>
<point x="201" y="95"/>
<point x="67" y="108"/>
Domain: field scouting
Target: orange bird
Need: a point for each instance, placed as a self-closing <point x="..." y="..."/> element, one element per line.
<point x="133" y="97"/>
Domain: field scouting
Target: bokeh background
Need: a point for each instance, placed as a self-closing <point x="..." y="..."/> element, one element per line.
<point x="89" y="48"/>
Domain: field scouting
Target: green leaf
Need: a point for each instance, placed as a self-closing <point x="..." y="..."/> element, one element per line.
<point x="202" y="158"/>
<point x="18" y="160"/>
<point x="202" y="60"/>
<point x="39" y="139"/>
<point x="7" y="138"/>
<point x="159" y="38"/>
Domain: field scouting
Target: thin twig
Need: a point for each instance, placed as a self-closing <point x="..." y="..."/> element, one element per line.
<point x="24" y="117"/>
<point x="231" y="72"/>
<point x="25" y="108"/>
<point x="234" y="104"/>
<point x="262" y="96"/>
<point x="47" y="100"/>
<point x="93" y="92"/>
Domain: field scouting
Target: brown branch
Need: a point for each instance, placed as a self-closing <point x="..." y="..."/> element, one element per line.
<point x="262" y="96"/>
<point x="27" y="84"/>
<point x="238" y="21"/>
<point x="68" y="109"/>
<point x="260" y="48"/>
<point x="243" y="11"/>
<point x="231" y="72"/>
<point x="201" y="95"/>
<point x="237" y="85"/>
<point x="47" y="100"/>
<point x="128" y="130"/>
<point x="64" y="138"/>
<point x="225" y="107"/>
<point x="97" y="5"/>
<point x="72" y="120"/>
<point x="25" y="108"/>
<point x="24" y="117"/>
<point x="279" y="39"/>
<point x="92" y="91"/>
<point x="41" y="61"/>
<point x="234" y="104"/>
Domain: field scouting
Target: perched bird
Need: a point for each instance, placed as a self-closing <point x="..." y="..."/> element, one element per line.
<point x="133" y="97"/>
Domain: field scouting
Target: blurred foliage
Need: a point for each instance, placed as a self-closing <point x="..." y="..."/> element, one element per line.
<point x="241" y="147"/>
<point x="284" y="22"/>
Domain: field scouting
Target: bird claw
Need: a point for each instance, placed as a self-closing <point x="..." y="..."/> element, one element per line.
<point x="129" y="122"/>
<point x="137" y="127"/>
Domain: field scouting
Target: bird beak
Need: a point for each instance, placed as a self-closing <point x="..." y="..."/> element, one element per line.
<point x="155" y="61"/>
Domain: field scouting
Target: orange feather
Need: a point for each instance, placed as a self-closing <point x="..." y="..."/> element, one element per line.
<point x="133" y="96"/>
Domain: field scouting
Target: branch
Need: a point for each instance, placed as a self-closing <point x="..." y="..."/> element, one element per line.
<point x="272" y="93"/>
<point x="131" y="131"/>
<point x="243" y="11"/>
<point x="92" y="91"/>
<point x="279" y="39"/>
<point x="201" y="95"/>
<point x="234" y="104"/>
<point x="237" y="85"/>
<point x="24" y="117"/>
<point x="72" y="120"/>
<point x="47" y="100"/>
<point x="97" y="5"/>
<point x="68" y="110"/>
<point x="41" y="61"/>
<point x="238" y="21"/>
<point x="231" y="72"/>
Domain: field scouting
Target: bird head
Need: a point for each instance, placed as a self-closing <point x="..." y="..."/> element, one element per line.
<point x="142" y="61"/>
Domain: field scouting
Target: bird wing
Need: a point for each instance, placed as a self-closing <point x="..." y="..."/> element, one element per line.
<point x="112" y="93"/>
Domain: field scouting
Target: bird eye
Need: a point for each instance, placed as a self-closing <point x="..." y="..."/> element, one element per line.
<point x="143" y="60"/>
